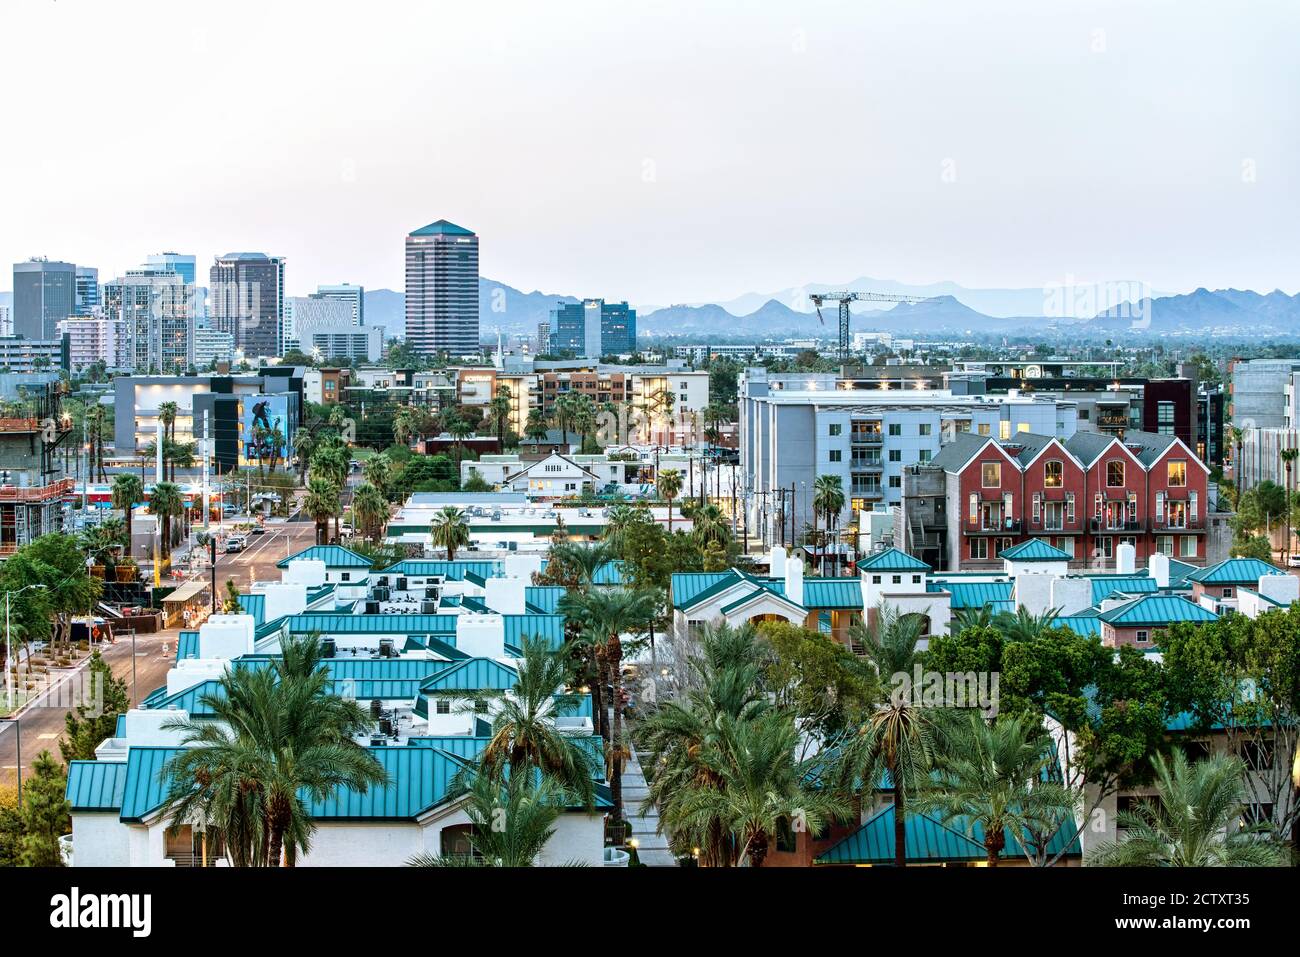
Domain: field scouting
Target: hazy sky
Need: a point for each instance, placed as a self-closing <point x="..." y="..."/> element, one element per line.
<point x="662" y="152"/>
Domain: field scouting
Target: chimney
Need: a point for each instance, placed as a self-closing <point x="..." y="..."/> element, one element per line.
<point x="1158" y="567"/>
<point x="1125" y="559"/>
<point x="794" y="580"/>
<point x="505" y="595"/>
<point x="776" y="562"/>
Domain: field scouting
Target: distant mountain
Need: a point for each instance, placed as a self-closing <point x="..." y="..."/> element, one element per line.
<point x="499" y="307"/>
<point x="772" y="318"/>
<point x="1223" y="312"/>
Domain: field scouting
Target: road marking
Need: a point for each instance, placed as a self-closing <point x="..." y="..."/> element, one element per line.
<point x="46" y="736"/>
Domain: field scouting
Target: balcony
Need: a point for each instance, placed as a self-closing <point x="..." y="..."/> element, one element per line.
<point x="867" y="438"/>
<point x="38" y="493"/>
<point x="1184" y="525"/>
<point x="866" y="465"/>
<point x="1007" y="526"/>
<point x="1116" y="527"/>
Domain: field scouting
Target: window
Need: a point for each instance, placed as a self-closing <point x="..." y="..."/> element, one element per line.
<point x="345" y="576"/>
<point x="1038" y="507"/>
<point x="923" y="456"/>
<point x="875" y="579"/>
<point x="1165" y="417"/>
<point x="1160" y="506"/>
<point x="835" y="455"/>
<point x="1165" y="545"/>
<point x="974" y="508"/>
<point x="444" y="706"/>
<point x="979" y="548"/>
<point x="1004" y="430"/>
<point x="895" y="455"/>
<point x="835" y="428"/>
<point x="1066" y="545"/>
<point x="1178" y="473"/>
<point x="923" y="428"/>
<point x="857" y="504"/>
<point x="1115" y="474"/>
<point x="1107" y="546"/>
<point x="1069" y="507"/>
<point x="895" y="428"/>
<point x="991" y="474"/>
<point x="1189" y="546"/>
<point x="897" y="579"/>
<point x="983" y="428"/>
<point x="1227" y="593"/>
<point x="1053" y="474"/>
<point x="1143" y="637"/>
<point x="916" y="579"/>
<point x="895" y="481"/>
<point x="480" y="706"/>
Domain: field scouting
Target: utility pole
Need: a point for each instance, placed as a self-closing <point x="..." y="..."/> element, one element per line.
<point x="207" y="492"/>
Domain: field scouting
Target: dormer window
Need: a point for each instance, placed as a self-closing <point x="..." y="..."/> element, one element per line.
<point x="1115" y="474"/>
<point x="1053" y="474"/>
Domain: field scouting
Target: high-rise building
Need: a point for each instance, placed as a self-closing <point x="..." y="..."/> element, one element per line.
<point x="156" y="308"/>
<point x="246" y="299"/>
<point x="593" y="328"/>
<point x="303" y="314"/>
<point x="45" y="293"/>
<point x="87" y="295"/>
<point x="354" y="296"/>
<point x="94" y="339"/>
<point x="442" y="289"/>
<point x="180" y="263"/>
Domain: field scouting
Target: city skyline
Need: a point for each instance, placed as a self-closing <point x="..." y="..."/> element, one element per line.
<point x="909" y="146"/>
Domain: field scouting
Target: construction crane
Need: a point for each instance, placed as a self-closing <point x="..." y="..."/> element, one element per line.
<point x="844" y="298"/>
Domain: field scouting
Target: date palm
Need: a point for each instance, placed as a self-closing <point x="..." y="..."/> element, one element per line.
<point x="1192" y="822"/>
<point x="449" y="530"/>
<point x="669" y="485"/>
<point x="376" y="470"/>
<point x="165" y="501"/>
<point x="321" y="503"/>
<point x="128" y="491"/>
<point x="370" y="511"/>
<point x="1288" y="460"/>
<point x="511" y="822"/>
<point x="828" y="499"/>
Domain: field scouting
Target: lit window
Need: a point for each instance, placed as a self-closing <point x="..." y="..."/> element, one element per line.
<point x="991" y="474"/>
<point x="1178" y="474"/>
<point x="1115" y="474"/>
<point x="1053" y="473"/>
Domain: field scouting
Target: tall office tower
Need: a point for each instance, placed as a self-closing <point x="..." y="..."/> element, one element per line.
<point x="593" y="328"/>
<point x="177" y="263"/>
<point x="354" y="296"/>
<point x="442" y="290"/>
<point x="155" y="307"/>
<point x="304" y="314"/>
<point x="6" y="321"/>
<point x="87" y="297"/>
<point x="543" y="342"/>
<point x="246" y="299"/>
<point x="45" y="293"/>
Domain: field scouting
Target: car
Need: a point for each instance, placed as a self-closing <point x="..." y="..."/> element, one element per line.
<point x="236" y="544"/>
<point x="1294" y="561"/>
<point x="257" y="530"/>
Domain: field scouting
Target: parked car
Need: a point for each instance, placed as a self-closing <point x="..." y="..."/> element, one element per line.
<point x="235" y="544"/>
<point x="1294" y="561"/>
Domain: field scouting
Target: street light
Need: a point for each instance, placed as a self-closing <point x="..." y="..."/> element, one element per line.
<point x="18" y="753"/>
<point x="9" y="648"/>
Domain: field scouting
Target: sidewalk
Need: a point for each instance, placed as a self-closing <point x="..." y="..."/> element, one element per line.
<point x="651" y="846"/>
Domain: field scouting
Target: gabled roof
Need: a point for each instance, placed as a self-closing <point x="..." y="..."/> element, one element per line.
<point x="1234" y="571"/>
<point x="551" y="458"/>
<point x="1085" y="626"/>
<point x="1156" y="610"/>
<point x="334" y="556"/>
<point x="1035" y="550"/>
<point x="957" y="454"/>
<point x="254" y="605"/>
<point x="1150" y="446"/>
<point x="441" y="568"/>
<point x="687" y="586"/>
<point x="338" y="623"/>
<point x="548" y="628"/>
<point x="610" y="573"/>
<point x="1088" y="447"/>
<point x="187" y="645"/>
<point x="95" y="785"/>
<point x="145" y="789"/>
<point x="1103" y="586"/>
<point x="1030" y="445"/>
<point x="967" y="595"/>
<point x="442" y="228"/>
<point x="418" y="780"/>
<point x="892" y="560"/>
<point x="834" y="593"/>
<point x="472" y="674"/>
<point x="757" y="593"/>
<point x="1178" y="572"/>
<point x="544" y="598"/>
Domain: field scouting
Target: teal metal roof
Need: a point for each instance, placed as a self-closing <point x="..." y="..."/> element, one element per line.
<point x="892" y="560"/>
<point x="369" y="689"/>
<point x="96" y="785"/>
<point x="274" y="626"/>
<point x="545" y="598"/>
<point x="927" y="840"/>
<point x="475" y="604"/>
<point x="442" y="228"/>
<point x="1178" y="572"/>
<point x="758" y="592"/>
<point x="1083" y="625"/>
<point x="382" y="668"/>
<point x="1234" y="571"/>
<point x="187" y="645"/>
<point x="145" y="789"/>
<point x="319" y="593"/>
<point x="334" y="556"/>
<point x="1105" y="586"/>
<point x="470" y="747"/>
<point x="688" y="586"/>
<point x="549" y="628"/>
<point x="472" y="674"/>
<point x="610" y="573"/>
<point x="254" y="605"/>
<point x="1035" y="550"/>
<point x="189" y="699"/>
<point x="335" y="623"/>
<point x="834" y="593"/>
<point x="418" y="779"/>
<point x="967" y="595"/>
<point x="435" y="645"/>
<point x="1156" y="610"/>
<point x="430" y="568"/>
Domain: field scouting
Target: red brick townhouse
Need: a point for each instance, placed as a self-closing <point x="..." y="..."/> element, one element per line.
<point x="1085" y="495"/>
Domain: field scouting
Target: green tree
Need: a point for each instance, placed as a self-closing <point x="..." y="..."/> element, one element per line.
<point x="370" y="511"/>
<point x="128" y="492"/>
<point x="511" y="821"/>
<point x="1193" y="822"/>
<point x="826" y="686"/>
<point x="828" y="499"/>
<point x="449" y="530"/>
<point x="166" y="502"/>
<point x="46" y="814"/>
<point x="321" y="504"/>
<point x="668" y="484"/>
<point x="90" y="724"/>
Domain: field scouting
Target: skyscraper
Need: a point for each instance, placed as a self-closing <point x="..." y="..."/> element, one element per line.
<point x="155" y="307"/>
<point x="593" y="328"/>
<point x="442" y="289"/>
<point x="177" y="263"/>
<point x="354" y="296"/>
<point x="87" y="298"/>
<point x="246" y="299"/>
<point x="45" y="293"/>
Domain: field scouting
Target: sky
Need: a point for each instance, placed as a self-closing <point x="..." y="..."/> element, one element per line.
<point x="662" y="152"/>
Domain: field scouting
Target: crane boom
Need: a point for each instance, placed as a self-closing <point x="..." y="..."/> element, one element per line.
<point x="846" y="297"/>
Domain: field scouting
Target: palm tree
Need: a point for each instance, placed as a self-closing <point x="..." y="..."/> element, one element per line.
<point x="524" y="738"/>
<point x="499" y="411"/>
<point x="710" y="525"/>
<point x="370" y="511"/>
<point x="605" y="615"/>
<point x="95" y="425"/>
<point x="376" y="470"/>
<point x="761" y="787"/>
<point x="127" y="491"/>
<point x="1192" y="822"/>
<point x="460" y="430"/>
<point x="304" y="444"/>
<point x="1288" y="459"/>
<point x="167" y="415"/>
<point x="828" y="498"/>
<point x="402" y="425"/>
<point x="993" y="775"/>
<point x="322" y="504"/>
<point x="668" y="483"/>
<point x="278" y="739"/>
<point x="449" y="530"/>
<point x="1237" y="438"/>
<point x="535" y="427"/>
<point x="575" y="565"/>
<point x="165" y="501"/>
<point x="889" y="641"/>
<point x="102" y="544"/>
<point x="1025" y="625"/>
<point x="511" y="822"/>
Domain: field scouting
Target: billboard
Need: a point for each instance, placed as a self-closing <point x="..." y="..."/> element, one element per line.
<point x="265" y="430"/>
